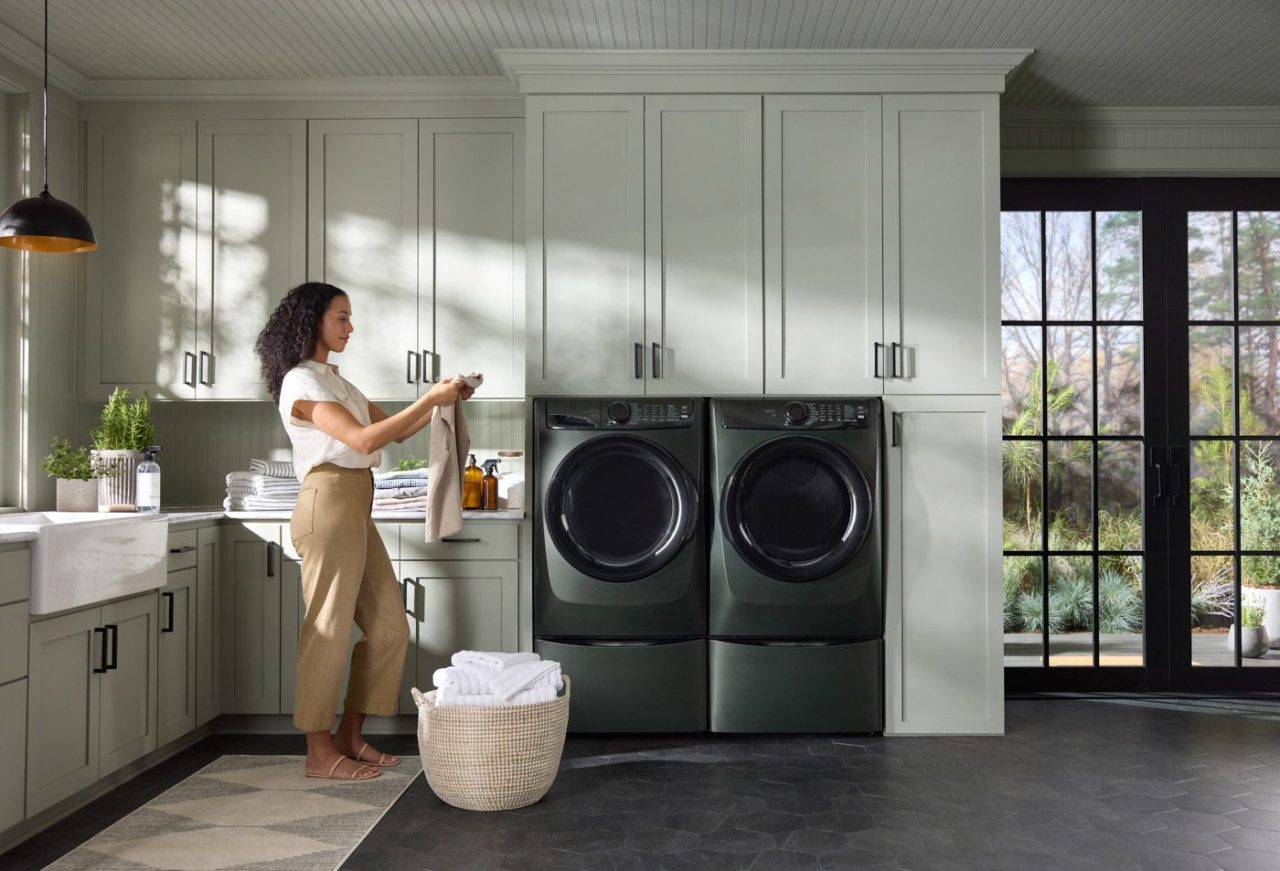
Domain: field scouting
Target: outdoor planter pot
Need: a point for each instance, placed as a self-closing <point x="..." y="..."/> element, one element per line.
<point x="1253" y="641"/>
<point x="1269" y="597"/>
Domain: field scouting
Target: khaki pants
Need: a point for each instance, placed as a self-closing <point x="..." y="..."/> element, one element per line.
<point x="346" y="578"/>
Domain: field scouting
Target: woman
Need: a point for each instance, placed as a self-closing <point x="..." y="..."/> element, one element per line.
<point x="346" y="574"/>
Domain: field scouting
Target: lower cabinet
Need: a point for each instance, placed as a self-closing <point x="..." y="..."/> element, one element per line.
<point x="178" y="631"/>
<point x="250" y="614"/>
<point x="13" y="735"/>
<point x="92" y="696"/>
<point x="208" y="623"/>
<point x="945" y="673"/>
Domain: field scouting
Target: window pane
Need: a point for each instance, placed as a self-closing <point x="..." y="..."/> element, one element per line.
<point x="1260" y="380"/>
<point x="1071" y="610"/>
<point x="1258" y="243"/>
<point x="1212" y="486"/>
<point x="1020" y="298"/>
<point x="1070" y="495"/>
<point x="1022" y="469"/>
<point x="1209" y="266"/>
<point x="1020" y="380"/>
<point x="1119" y="266"/>
<point x="1069" y="261"/>
<point x="1120" y="611"/>
<point x="1070" y="380"/>
<point x="1119" y="380"/>
<point x="1022" y="608"/>
<point x="1211" y="375"/>
<point x="1212" y="610"/>
<point x="1260" y="512"/>
<point x="1120" y="496"/>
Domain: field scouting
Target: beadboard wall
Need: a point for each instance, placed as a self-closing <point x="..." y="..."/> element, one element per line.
<point x="203" y="441"/>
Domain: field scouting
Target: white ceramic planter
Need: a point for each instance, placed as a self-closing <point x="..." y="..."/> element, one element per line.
<point x="1253" y="641"/>
<point x="76" y="495"/>
<point x="1270" y="597"/>
<point x="118" y="479"/>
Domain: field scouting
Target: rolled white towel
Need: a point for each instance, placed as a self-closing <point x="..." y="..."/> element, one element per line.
<point x="490" y="659"/>
<point x="448" y="697"/>
<point x="508" y="682"/>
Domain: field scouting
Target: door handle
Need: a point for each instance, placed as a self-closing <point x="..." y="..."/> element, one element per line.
<point x="894" y="350"/>
<point x="412" y="368"/>
<point x="657" y="360"/>
<point x="895" y="435"/>
<point x="188" y="368"/>
<point x="169" y="597"/>
<point x="1157" y="467"/>
<point x="879" y="353"/>
<point x="207" y="381"/>
<point x="639" y="360"/>
<point x="1177" y="465"/>
<point x="115" y="646"/>
<point x="102" y="652"/>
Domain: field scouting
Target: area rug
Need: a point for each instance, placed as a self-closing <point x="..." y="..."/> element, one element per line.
<point x="256" y="812"/>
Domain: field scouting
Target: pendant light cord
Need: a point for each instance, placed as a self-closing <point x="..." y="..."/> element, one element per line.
<point x="44" y="133"/>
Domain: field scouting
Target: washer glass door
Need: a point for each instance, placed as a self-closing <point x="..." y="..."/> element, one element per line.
<point x="796" y="508"/>
<point x="619" y="508"/>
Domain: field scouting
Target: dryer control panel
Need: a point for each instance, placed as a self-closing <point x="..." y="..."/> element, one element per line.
<point x="799" y="414"/>
<point x="647" y="413"/>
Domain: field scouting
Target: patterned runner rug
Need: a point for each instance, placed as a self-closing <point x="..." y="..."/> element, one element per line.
<point x="255" y="812"/>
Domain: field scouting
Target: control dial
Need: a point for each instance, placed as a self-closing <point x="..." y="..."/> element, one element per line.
<point x="619" y="412"/>
<point x="796" y="412"/>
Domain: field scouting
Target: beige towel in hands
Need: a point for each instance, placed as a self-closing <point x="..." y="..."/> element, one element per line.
<point x="450" y="445"/>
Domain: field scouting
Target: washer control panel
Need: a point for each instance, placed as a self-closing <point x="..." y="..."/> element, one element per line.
<point x="619" y="413"/>
<point x="799" y="414"/>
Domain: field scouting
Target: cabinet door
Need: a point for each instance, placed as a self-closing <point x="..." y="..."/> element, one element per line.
<point x="460" y="606"/>
<point x="471" y="261"/>
<point x="704" y="296"/>
<point x="250" y="676"/>
<point x="63" y="709"/>
<point x="251" y="205"/>
<point x="823" y="284"/>
<point x="942" y="243"/>
<point x="127" y="728"/>
<point x="586" y="245"/>
<point x="140" y="316"/>
<point x="13" y="732"/>
<point x="208" y="623"/>
<point x="362" y="235"/>
<point x="944" y="620"/>
<point x="178" y="654"/>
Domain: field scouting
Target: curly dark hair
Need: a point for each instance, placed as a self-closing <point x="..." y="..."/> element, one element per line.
<point x="292" y="330"/>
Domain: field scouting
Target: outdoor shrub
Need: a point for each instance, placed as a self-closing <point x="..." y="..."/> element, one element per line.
<point x="1119" y="605"/>
<point x="1071" y="602"/>
<point x="1030" y="612"/>
<point x="1251" y="613"/>
<point x="1259" y="519"/>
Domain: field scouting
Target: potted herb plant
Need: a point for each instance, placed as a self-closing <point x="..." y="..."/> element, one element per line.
<point x="1260" y="530"/>
<point x="123" y="432"/>
<point x="77" y="489"/>
<point x="1253" y="634"/>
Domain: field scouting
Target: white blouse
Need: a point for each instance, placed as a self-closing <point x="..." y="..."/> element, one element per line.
<point x="320" y="382"/>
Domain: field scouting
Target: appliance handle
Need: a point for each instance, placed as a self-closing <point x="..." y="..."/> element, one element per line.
<point x="895" y="438"/>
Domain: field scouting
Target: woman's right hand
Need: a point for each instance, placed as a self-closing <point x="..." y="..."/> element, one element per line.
<point x="443" y="393"/>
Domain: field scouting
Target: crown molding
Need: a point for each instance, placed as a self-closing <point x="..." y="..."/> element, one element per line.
<point x="346" y="88"/>
<point x="1115" y="117"/>
<point x="550" y="71"/>
<point x="30" y="56"/>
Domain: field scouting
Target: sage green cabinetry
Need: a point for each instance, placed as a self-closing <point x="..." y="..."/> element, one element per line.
<point x="208" y="623"/>
<point x="15" y="570"/>
<point x="178" y="630"/>
<point x="250" y="613"/>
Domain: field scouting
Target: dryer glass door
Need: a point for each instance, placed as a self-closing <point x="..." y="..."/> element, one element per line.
<point x="796" y="508"/>
<point x="619" y="508"/>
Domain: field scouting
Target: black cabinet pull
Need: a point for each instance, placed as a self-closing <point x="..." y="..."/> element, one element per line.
<point x="657" y="360"/>
<point x="188" y="368"/>
<point x="404" y="594"/>
<point x="271" y="572"/>
<point x="184" y="549"/>
<point x="895" y="438"/>
<point x="639" y="360"/>
<point x="432" y="375"/>
<point x="879" y="372"/>
<point x="412" y="368"/>
<point x="115" y="646"/>
<point x="102" y="652"/>
<point x="169" y="598"/>
<point x="895" y="350"/>
<point x="461" y="540"/>
<point x="206" y="371"/>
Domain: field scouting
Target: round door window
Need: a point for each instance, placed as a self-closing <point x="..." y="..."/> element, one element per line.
<point x="796" y="508"/>
<point x="619" y="508"/>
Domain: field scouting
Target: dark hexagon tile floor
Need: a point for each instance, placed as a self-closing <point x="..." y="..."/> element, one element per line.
<point x="1082" y="783"/>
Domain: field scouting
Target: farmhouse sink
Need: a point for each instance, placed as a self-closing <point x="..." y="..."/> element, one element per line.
<point x="80" y="559"/>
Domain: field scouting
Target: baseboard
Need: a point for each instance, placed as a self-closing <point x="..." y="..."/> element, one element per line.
<point x="282" y="724"/>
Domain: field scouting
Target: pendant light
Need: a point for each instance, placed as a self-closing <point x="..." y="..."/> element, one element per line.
<point x="45" y="223"/>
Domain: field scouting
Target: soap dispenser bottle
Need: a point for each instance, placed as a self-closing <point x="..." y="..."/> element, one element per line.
<point x="472" y="479"/>
<point x="147" y="497"/>
<point x="489" y="486"/>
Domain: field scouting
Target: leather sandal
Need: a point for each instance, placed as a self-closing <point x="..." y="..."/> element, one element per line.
<point x="382" y="757"/>
<point x="372" y="771"/>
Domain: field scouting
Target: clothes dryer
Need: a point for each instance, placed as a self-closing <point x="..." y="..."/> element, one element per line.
<point x="796" y="581"/>
<point x="620" y="559"/>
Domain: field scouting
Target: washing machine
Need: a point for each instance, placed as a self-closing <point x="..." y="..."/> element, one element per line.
<point x="620" y="559"/>
<point x="796" y="581"/>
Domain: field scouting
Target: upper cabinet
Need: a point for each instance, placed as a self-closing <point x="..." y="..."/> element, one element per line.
<point x="942" y="243"/>
<point x="620" y="306"/>
<point x="201" y="232"/>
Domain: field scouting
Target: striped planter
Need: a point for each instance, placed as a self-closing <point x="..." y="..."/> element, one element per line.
<point x="117" y="479"/>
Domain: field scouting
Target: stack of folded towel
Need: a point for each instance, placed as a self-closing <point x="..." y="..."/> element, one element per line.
<point x="269" y="486"/>
<point x="486" y="680"/>
<point x="405" y="490"/>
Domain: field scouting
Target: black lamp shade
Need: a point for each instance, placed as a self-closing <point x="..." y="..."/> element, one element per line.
<point x="44" y="223"/>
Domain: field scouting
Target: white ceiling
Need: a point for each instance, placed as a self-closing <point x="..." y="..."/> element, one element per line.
<point x="1087" y="52"/>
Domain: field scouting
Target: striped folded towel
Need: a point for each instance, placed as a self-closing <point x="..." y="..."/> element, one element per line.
<point x="396" y="483"/>
<point x="273" y="468"/>
<point x="416" y="504"/>
<point x="400" y="473"/>
<point x="490" y="658"/>
<point x="262" y="483"/>
<point x="399" y="494"/>
<point x="446" y="697"/>
<point x="479" y="681"/>
<point x="256" y="503"/>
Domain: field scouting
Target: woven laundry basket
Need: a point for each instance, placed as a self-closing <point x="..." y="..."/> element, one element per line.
<point x="491" y="759"/>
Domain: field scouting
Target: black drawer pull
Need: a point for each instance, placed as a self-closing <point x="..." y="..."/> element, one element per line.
<point x="184" y="549"/>
<point x="462" y="540"/>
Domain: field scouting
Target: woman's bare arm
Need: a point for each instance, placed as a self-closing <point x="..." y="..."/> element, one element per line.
<point x="333" y="418"/>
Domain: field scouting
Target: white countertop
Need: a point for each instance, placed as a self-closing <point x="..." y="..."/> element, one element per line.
<point x="189" y="516"/>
